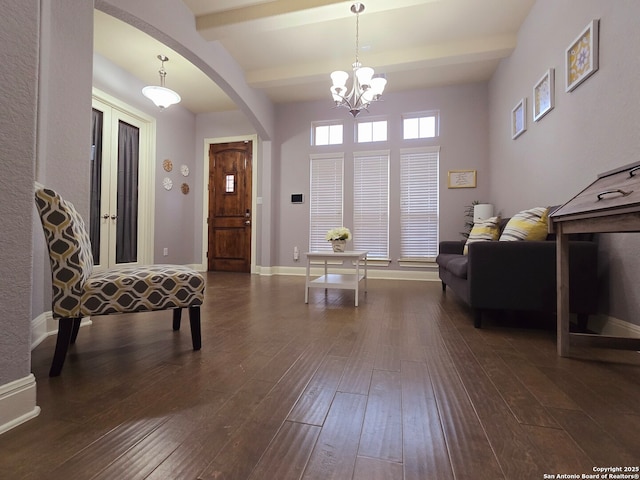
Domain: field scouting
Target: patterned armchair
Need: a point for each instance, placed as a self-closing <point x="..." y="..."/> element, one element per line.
<point x="79" y="292"/>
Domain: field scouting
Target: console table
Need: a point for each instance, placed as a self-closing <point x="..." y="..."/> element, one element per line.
<point x="343" y="281"/>
<point x="610" y="204"/>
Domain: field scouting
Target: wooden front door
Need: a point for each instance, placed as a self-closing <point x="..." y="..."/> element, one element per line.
<point x="230" y="215"/>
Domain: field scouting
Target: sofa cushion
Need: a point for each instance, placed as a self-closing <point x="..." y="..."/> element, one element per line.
<point x="527" y="225"/>
<point x="458" y="266"/>
<point x="443" y="259"/>
<point x="483" y="231"/>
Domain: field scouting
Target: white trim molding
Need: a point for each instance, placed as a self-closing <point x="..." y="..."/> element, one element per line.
<point x="44" y="325"/>
<point x="606" y="325"/>
<point x="18" y="402"/>
<point x="41" y="327"/>
<point x="374" y="274"/>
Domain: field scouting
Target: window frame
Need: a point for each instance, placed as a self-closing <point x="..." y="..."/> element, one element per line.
<point x="328" y="125"/>
<point x="422" y="115"/>
<point x="371" y="121"/>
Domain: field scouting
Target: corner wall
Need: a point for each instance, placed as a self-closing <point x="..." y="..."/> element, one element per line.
<point x="19" y="37"/>
<point x="592" y="129"/>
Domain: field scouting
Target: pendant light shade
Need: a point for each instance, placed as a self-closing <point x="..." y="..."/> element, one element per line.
<point x="161" y="96"/>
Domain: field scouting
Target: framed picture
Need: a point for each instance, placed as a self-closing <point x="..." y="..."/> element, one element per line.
<point x="581" y="57"/>
<point x="519" y="119"/>
<point x="461" y="179"/>
<point x="543" y="95"/>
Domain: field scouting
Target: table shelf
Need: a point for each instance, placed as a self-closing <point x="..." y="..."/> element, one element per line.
<point x="344" y="281"/>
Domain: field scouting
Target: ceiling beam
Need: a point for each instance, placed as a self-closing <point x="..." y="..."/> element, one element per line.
<point x="282" y="14"/>
<point x="451" y="53"/>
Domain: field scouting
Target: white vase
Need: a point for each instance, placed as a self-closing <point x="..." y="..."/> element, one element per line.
<point x="338" y="245"/>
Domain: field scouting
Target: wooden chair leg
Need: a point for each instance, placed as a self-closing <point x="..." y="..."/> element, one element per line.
<point x="65" y="330"/>
<point x="194" y="320"/>
<point x="75" y="329"/>
<point x="177" y="318"/>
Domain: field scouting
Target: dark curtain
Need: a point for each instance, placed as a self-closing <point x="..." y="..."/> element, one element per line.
<point x="96" y="184"/>
<point x="127" y="206"/>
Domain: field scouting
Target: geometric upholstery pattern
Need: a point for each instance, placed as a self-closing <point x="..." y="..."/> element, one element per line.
<point x="78" y="292"/>
<point x="141" y="288"/>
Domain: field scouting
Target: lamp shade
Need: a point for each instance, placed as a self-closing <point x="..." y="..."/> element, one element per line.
<point x="378" y="84"/>
<point x="482" y="211"/>
<point x="161" y="96"/>
<point x="364" y="75"/>
<point x="339" y="78"/>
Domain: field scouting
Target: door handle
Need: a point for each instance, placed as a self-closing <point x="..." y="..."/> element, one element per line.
<point x="113" y="217"/>
<point x="105" y="216"/>
<point x="247" y="222"/>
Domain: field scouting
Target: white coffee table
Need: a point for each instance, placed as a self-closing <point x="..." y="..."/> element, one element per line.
<point x="345" y="281"/>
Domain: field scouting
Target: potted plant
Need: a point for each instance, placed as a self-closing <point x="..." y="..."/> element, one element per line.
<point x="338" y="238"/>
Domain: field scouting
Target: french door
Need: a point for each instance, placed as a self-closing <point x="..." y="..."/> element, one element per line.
<point x="121" y="216"/>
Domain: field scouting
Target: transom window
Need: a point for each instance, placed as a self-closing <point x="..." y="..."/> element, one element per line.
<point x="421" y="125"/>
<point x="327" y="134"/>
<point x="372" y="131"/>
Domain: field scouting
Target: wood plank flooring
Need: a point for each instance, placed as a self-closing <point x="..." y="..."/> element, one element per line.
<point x="401" y="387"/>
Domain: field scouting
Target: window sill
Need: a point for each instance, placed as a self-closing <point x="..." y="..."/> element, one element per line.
<point x="426" y="262"/>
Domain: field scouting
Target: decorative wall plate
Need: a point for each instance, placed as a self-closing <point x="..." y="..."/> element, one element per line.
<point x="185" y="188"/>
<point x="167" y="183"/>
<point x="184" y="170"/>
<point x="167" y="165"/>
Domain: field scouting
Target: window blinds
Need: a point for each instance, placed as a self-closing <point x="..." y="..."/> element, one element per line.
<point x="325" y="203"/>
<point x="371" y="203"/>
<point x="419" y="202"/>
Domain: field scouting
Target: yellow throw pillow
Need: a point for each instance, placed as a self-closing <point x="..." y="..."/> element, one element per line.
<point x="483" y="231"/>
<point x="527" y="225"/>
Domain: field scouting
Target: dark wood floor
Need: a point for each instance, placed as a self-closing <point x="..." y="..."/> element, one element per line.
<point x="401" y="387"/>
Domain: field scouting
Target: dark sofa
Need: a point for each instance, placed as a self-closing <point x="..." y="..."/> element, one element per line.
<point x="519" y="275"/>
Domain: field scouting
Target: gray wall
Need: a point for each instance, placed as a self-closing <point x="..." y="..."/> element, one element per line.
<point x="18" y="91"/>
<point x="463" y="142"/>
<point x="64" y="121"/>
<point x="592" y="129"/>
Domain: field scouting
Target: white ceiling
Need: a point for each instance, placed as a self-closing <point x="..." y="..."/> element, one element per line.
<point x="288" y="48"/>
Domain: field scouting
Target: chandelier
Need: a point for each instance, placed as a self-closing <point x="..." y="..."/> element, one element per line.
<point x="366" y="87"/>
<point x="163" y="97"/>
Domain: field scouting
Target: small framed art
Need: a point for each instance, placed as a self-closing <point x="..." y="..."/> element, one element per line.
<point x="543" y="95"/>
<point x="581" y="57"/>
<point x="519" y="119"/>
<point x="461" y="179"/>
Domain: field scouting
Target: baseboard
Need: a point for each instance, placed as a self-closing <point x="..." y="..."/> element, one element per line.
<point x="606" y="325"/>
<point x="18" y="402"/>
<point x="422" y="275"/>
<point x="45" y="325"/>
<point x="41" y="328"/>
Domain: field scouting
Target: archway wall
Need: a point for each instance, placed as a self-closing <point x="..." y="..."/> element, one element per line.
<point x="172" y="23"/>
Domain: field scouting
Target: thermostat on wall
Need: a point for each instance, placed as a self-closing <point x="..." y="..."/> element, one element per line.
<point x="297" y="198"/>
